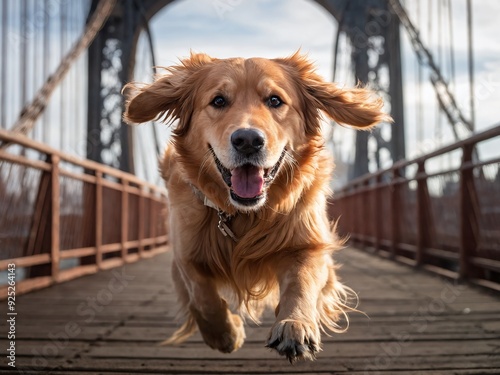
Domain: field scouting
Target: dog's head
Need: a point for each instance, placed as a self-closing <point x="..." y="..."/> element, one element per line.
<point x="241" y="120"/>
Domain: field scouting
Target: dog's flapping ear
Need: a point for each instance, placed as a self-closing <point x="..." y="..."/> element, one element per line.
<point x="169" y="97"/>
<point x="357" y="107"/>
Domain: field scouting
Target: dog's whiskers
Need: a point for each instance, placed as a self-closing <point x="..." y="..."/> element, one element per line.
<point x="290" y="164"/>
<point x="205" y="164"/>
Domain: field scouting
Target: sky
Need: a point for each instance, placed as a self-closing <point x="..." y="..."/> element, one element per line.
<point x="273" y="28"/>
<point x="266" y="28"/>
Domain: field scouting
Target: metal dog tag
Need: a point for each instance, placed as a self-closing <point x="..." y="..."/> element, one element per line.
<point x="224" y="228"/>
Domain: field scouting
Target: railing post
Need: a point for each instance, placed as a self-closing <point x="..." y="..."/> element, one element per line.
<point x="395" y="211"/>
<point x="468" y="212"/>
<point x="40" y="240"/>
<point x="377" y="195"/>
<point x="141" y="220"/>
<point x="353" y="203"/>
<point x="124" y="220"/>
<point x="152" y="218"/>
<point x="420" y="213"/>
<point x="423" y="207"/>
<point x="363" y="204"/>
<point x="98" y="218"/>
<point x="55" y="219"/>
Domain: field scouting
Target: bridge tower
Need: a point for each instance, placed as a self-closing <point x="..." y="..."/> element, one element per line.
<point x="111" y="61"/>
<point x="373" y="31"/>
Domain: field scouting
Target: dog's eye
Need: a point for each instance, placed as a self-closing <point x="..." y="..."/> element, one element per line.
<point x="219" y="102"/>
<point x="274" y="101"/>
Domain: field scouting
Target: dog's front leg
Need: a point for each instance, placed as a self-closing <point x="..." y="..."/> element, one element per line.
<point x="219" y="328"/>
<point x="296" y="333"/>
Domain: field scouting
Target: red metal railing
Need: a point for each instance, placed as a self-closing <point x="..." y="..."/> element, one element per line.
<point x="62" y="217"/>
<point x="447" y="221"/>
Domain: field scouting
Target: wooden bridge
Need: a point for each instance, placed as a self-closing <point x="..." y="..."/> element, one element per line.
<point x="112" y="322"/>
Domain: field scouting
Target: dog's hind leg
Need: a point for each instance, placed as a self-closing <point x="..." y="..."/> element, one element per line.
<point x="205" y="309"/>
<point x="220" y="329"/>
<point x="188" y="328"/>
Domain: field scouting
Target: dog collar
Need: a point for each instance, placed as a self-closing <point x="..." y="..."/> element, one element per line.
<point x="224" y="218"/>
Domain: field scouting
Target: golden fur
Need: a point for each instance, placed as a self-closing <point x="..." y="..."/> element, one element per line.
<point x="285" y="238"/>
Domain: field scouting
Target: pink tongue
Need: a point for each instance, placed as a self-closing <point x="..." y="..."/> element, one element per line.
<point x="247" y="181"/>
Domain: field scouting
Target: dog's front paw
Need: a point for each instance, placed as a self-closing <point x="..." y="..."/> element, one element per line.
<point x="295" y="340"/>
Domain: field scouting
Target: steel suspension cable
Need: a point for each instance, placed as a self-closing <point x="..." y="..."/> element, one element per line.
<point x="446" y="99"/>
<point x="452" y="45"/>
<point x="471" y="64"/>
<point x="32" y="111"/>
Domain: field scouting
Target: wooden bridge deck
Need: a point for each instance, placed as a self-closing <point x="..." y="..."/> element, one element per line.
<point x="111" y="322"/>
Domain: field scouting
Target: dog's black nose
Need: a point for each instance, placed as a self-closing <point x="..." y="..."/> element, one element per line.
<point x="248" y="141"/>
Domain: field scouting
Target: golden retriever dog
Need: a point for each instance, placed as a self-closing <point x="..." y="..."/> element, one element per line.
<point x="248" y="179"/>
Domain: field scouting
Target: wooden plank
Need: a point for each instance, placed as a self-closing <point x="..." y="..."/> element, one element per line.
<point x="28" y="261"/>
<point x="133" y="190"/>
<point x="489" y="264"/>
<point x="78" y="176"/>
<point x="85" y="251"/>
<point x="78" y="253"/>
<point x="46" y="348"/>
<point x="110" y="247"/>
<point x="407" y="247"/>
<point x="111" y="263"/>
<point x="155" y="240"/>
<point x="22" y="160"/>
<point x="487" y="284"/>
<point x="442" y="254"/>
<point x="369" y="333"/>
<point x="333" y="350"/>
<point x="111" y="184"/>
<point x="28" y="285"/>
<point x="154" y="252"/>
<point x="479" y="318"/>
<point x="131" y="244"/>
<point x="131" y="258"/>
<point x="79" y="271"/>
<point x="86" y="332"/>
<point x="441" y="271"/>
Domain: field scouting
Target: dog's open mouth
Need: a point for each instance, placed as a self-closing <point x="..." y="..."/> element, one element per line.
<point x="248" y="182"/>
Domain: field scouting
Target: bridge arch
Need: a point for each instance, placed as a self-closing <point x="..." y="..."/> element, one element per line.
<point x="131" y="17"/>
